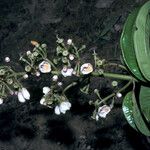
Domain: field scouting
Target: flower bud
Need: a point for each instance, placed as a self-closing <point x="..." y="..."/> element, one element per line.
<point x="35" y="43"/>
<point x="1" y="101"/>
<point x="35" y="54"/>
<point x="69" y="41"/>
<point x="65" y="53"/>
<point x="25" y="93"/>
<point x="71" y="57"/>
<point x="20" y="97"/>
<point x="60" y="84"/>
<point x="64" y="60"/>
<point x="42" y="101"/>
<point x="46" y="90"/>
<point x="9" y="81"/>
<point x="44" y="46"/>
<point x="2" y="71"/>
<point x="114" y="83"/>
<point x="7" y="59"/>
<point x="55" y="78"/>
<point x="28" y="53"/>
<point x="27" y="68"/>
<point x="37" y="73"/>
<point x="25" y="76"/>
<point x="119" y="95"/>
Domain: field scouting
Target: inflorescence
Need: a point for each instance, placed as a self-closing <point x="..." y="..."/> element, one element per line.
<point x="67" y="62"/>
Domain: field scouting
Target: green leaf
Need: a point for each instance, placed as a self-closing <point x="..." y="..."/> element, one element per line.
<point x="145" y="101"/>
<point x="127" y="46"/>
<point x="138" y="118"/>
<point x="127" y="108"/>
<point x="141" y="40"/>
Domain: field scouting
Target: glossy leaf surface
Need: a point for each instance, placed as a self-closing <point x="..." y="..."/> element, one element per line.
<point x="127" y="46"/>
<point x="138" y="118"/>
<point x="141" y="40"/>
<point x="127" y="108"/>
<point x="145" y="101"/>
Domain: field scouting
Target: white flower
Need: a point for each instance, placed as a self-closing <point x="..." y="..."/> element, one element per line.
<point x="86" y="68"/>
<point x="7" y="59"/>
<point x="71" y="57"/>
<point x="46" y="90"/>
<point x="20" y="97"/>
<point x="119" y="95"/>
<point x="62" y="108"/>
<point x="45" y="67"/>
<point x="25" y="93"/>
<point x="67" y="72"/>
<point x="1" y="101"/>
<point x="103" y="111"/>
<point x="55" y="78"/>
<point x="42" y="101"/>
<point x="28" y="52"/>
<point x="69" y="41"/>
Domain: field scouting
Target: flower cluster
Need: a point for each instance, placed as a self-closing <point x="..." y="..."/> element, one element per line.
<point x="36" y="60"/>
<point x="10" y="84"/>
<point x="52" y="98"/>
<point x="66" y="63"/>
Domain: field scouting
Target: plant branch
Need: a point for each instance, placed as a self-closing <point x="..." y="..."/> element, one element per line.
<point x="69" y="86"/>
<point x="113" y="94"/>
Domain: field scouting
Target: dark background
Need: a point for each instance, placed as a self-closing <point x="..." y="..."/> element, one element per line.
<point x="30" y="126"/>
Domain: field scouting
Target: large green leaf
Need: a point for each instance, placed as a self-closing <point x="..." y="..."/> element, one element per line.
<point x="138" y="118"/>
<point x="145" y="101"/>
<point x="141" y="40"/>
<point x="127" y="108"/>
<point x="127" y="45"/>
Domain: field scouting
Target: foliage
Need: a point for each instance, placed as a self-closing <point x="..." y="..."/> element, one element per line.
<point x="135" y="50"/>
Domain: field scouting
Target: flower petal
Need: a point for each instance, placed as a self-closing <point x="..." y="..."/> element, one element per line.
<point x="1" y="101"/>
<point x="103" y="111"/>
<point x="57" y="110"/>
<point x="25" y="93"/>
<point x="65" y="106"/>
<point x="20" y="97"/>
<point x="63" y="111"/>
<point x="97" y="117"/>
<point x="42" y="101"/>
